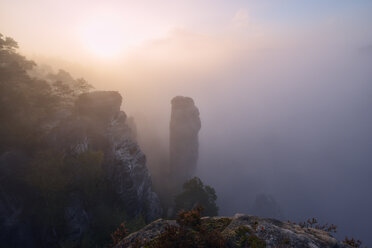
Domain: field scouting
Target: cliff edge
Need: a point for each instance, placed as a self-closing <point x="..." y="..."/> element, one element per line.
<point x="238" y="231"/>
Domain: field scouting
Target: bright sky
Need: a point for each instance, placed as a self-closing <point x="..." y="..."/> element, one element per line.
<point x="111" y="29"/>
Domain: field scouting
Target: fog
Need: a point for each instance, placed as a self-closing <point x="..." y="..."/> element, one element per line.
<point x="301" y="133"/>
<point x="290" y="122"/>
<point x="285" y="111"/>
<point x="294" y="123"/>
<point x="290" y="118"/>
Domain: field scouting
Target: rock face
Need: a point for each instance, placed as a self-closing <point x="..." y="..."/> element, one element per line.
<point x="95" y="123"/>
<point x="247" y="231"/>
<point x="13" y="231"/>
<point x="184" y="128"/>
<point x="100" y="125"/>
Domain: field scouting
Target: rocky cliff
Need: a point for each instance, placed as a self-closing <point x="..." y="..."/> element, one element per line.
<point x="93" y="123"/>
<point x="184" y="144"/>
<point x="237" y="231"/>
<point x="103" y="126"/>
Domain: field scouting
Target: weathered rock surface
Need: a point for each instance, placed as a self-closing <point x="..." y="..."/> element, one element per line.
<point x="125" y="163"/>
<point x="94" y="123"/>
<point x="183" y="146"/>
<point x="240" y="229"/>
<point x="14" y="232"/>
<point x="100" y="125"/>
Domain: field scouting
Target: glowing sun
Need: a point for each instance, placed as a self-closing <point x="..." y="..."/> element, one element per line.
<point x="103" y="36"/>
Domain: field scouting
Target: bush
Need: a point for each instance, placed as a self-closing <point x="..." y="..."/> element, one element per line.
<point x="313" y="223"/>
<point x="190" y="233"/>
<point x="352" y="242"/>
<point x="28" y="103"/>
<point x="119" y="234"/>
<point x="196" y="193"/>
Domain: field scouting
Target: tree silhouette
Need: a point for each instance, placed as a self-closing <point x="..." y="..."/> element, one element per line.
<point x="196" y="193"/>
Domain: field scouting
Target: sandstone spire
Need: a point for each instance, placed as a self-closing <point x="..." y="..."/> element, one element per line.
<point x="184" y="128"/>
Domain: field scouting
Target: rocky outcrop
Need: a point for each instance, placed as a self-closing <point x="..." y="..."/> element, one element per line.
<point x="246" y="231"/>
<point x="14" y="196"/>
<point x="77" y="218"/>
<point x="126" y="165"/>
<point x="183" y="146"/>
<point x="94" y="123"/>
<point x="102" y="126"/>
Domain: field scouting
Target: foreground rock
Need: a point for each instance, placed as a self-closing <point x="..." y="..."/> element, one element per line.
<point x="244" y="231"/>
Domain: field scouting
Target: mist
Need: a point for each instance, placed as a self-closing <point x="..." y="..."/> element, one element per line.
<point x="290" y="122"/>
<point x="285" y="110"/>
<point x="290" y="119"/>
<point x="293" y="123"/>
<point x="301" y="135"/>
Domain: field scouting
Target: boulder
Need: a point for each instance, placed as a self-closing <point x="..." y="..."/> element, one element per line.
<point x="244" y="231"/>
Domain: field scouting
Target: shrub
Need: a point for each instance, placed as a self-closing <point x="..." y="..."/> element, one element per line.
<point x="313" y="223"/>
<point x="191" y="232"/>
<point x="119" y="234"/>
<point x="196" y="193"/>
<point x="29" y="103"/>
<point x="246" y="238"/>
<point x="352" y="242"/>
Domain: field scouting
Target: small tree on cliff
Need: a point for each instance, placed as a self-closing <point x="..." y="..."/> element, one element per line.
<point x="196" y="193"/>
<point x="28" y="103"/>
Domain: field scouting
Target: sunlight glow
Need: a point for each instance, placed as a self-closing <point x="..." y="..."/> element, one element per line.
<point x="103" y="36"/>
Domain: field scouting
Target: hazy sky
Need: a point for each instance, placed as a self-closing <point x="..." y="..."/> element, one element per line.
<point x="284" y="89"/>
<point x="82" y="29"/>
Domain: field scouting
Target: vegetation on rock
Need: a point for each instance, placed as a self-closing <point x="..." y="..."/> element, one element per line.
<point x="195" y="193"/>
<point x="28" y="103"/>
<point x="191" y="231"/>
<point x="352" y="242"/>
<point x="55" y="185"/>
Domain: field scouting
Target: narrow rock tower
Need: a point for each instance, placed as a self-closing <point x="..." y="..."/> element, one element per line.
<point x="184" y="145"/>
